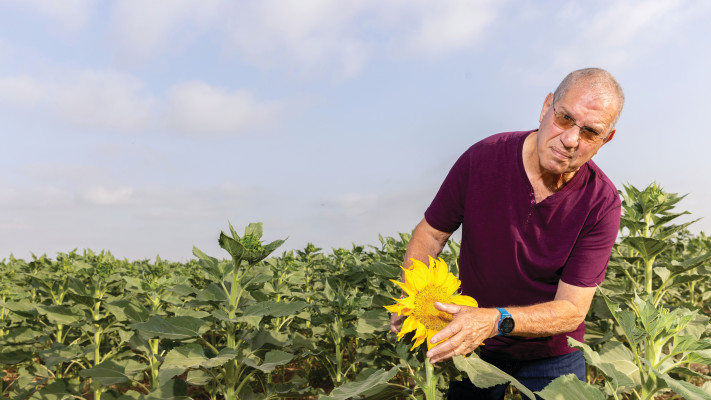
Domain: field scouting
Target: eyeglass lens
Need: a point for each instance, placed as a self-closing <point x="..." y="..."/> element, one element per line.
<point x="564" y="121"/>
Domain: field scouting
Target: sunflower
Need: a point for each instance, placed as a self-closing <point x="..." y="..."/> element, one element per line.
<point x="424" y="286"/>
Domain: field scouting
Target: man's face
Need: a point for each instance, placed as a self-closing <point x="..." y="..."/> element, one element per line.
<point x="563" y="151"/>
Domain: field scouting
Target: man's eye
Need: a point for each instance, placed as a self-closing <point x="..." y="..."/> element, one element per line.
<point x="567" y="117"/>
<point x="591" y="132"/>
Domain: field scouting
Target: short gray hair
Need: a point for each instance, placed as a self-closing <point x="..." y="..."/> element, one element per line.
<point x="597" y="78"/>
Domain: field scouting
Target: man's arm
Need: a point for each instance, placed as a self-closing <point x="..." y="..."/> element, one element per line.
<point x="471" y="326"/>
<point x="425" y="241"/>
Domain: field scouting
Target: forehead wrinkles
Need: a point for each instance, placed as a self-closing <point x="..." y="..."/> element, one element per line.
<point x="589" y="108"/>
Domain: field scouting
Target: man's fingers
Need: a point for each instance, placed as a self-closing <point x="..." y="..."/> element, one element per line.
<point x="448" y="308"/>
<point x="448" y="331"/>
<point x="396" y="322"/>
<point x="451" y="344"/>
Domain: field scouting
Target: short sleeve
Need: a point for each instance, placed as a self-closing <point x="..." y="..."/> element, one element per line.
<point x="446" y="211"/>
<point x="587" y="263"/>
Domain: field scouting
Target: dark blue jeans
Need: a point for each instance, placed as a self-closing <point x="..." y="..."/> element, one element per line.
<point x="534" y="374"/>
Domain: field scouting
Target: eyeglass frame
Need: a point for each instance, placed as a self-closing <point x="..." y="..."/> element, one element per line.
<point x="581" y="128"/>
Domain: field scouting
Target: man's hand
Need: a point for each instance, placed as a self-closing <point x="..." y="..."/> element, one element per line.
<point x="396" y="322"/>
<point x="470" y="327"/>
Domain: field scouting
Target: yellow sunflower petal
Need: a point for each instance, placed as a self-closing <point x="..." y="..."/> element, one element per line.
<point x="395" y="308"/>
<point x="410" y="291"/>
<point x="440" y="273"/>
<point x="418" y="278"/>
<point x="417" y="264"/>
<point x="419" y="337"/>
<point x="409" y="325"/>
<point x="451" y="284"/>
<point x="425" y="285"/>
<point x="408" y="302"/>
<point x="463" y="301"/>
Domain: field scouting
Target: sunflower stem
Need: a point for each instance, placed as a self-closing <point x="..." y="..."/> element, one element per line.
<point x="430" y="386"/>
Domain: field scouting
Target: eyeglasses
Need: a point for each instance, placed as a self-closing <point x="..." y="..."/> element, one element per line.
<point x="565" y="121"/>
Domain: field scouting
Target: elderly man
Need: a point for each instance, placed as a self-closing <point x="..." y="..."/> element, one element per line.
<point x="538" y="219"/>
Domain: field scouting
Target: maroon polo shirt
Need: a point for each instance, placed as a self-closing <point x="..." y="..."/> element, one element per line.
<point x="515" y="251"/>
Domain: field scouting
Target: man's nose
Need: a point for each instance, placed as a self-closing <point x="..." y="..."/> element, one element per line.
<point x="571" y="136"/>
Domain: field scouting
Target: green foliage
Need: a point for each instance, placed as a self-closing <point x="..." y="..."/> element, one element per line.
<point x="309" y="323"/>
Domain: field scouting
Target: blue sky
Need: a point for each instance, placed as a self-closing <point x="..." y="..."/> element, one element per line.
<point x="143" y="127"/>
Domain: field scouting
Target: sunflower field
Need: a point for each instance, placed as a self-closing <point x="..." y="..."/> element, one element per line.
<point x="251" y="323"/>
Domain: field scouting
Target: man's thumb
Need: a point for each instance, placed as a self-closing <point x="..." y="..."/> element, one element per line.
<point x="448" y="308"/>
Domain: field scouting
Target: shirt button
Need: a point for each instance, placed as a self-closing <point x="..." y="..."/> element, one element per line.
<point x="533" y="201"/>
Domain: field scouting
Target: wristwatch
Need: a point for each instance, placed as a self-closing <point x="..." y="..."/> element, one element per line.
<point x="506" y="322"/>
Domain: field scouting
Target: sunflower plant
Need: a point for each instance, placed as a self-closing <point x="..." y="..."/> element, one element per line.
<point x="423" y="286"/>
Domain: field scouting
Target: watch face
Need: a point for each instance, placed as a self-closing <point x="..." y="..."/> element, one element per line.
<point x="507" y="325"/>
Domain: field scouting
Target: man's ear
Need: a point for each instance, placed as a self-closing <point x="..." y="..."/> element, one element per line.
<point x="547" y="103"/>
<point x="610" y="136"/>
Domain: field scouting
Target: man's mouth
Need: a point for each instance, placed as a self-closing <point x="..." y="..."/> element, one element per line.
<point x="563" y="155"/>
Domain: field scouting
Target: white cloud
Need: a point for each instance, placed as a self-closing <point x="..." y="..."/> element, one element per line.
<point x="132" y="222"/>
<point x="310" y="35"/>
<point x="445" y="26"/>
<point x="142" y="29"/>
<point x="69" y="14"/>
<point x="107" y="99"/>
<point x="304" y="35"/>
<point x="103" y="196"/>
<point x="354" y="204"/>
<point x="22" y="91"/>
<point x="620" y="32"/>
<point x="198" y="108"/>
<point x="119" y="102"/>
<point x="104" y="99"/>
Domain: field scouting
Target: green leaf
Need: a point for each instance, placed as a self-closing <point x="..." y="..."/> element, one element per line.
<point x="648" y="247"/>
<point x="373" y="321"/>
<point x="356" y="388"/>
<point x="685" y="389"/>
<point x="272" y="360"/>
<point x="25" y="309"/>
<point x="171" y="328"/>
<point x="269" y="248"/>
<point x="59" y="354"/>
<point x="252" y="320"/>
<point x="56" y="390"/>
<point x="626" y="320"/>
<point x="569" y="387"/>
<point x="173" y="389"/>
<point x="384" y="270"/>
<point x="107" y="373"/>
<point x="254" y="229"/>
<point x="618" y="365"/>
<point x="213" y="292"/>
<point x="23" y="334"/>
<point x="265" y="336"/>
<point x="210" y="264"/>
<point x="484" y="375"/>
<point x="61" y="314"/>
<point x="189" y="312"/>
<point x="12" y="357"/>
<point x="180" y="359"/>
<point x="232" y="246"/>
<point x="275" y="309"/>
<point x="700" y="357"/>
<point x="683" y="344"/>
<point x="222" y="358"/>
<point x="128" y="310"/>
<point x="198" y="377"/>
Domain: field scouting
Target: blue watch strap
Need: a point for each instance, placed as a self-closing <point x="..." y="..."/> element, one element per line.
<point x="504" y="314"/>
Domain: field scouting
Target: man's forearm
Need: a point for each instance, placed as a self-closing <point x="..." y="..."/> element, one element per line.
<point x="426" y="241"/>
<point x="545" y="319"/>
<point x="564" y="314"/>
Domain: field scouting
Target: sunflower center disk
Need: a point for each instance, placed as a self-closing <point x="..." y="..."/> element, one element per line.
<point x="425" y="311"/>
